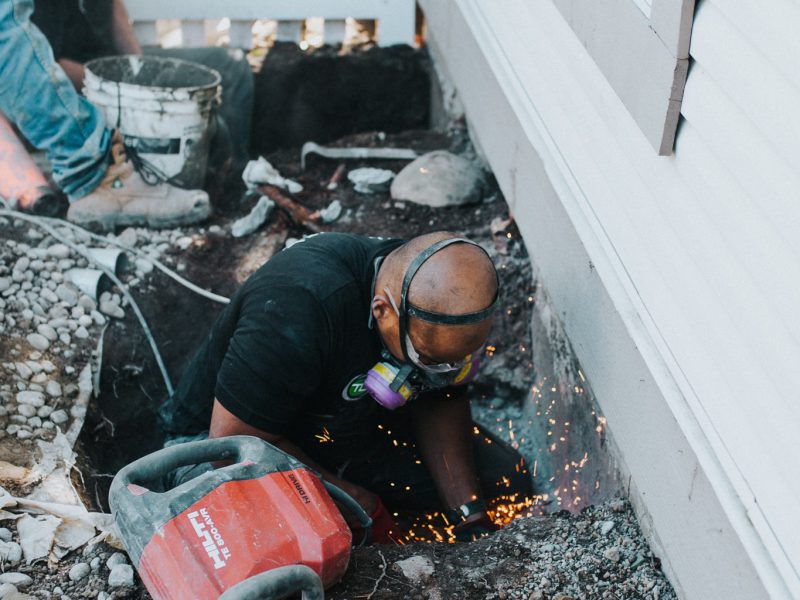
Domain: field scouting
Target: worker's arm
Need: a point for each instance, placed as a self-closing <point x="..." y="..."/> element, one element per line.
<point x="74" y="71"/>
<point x="443" y="425"/>
<point x="122" y="35"/>
<point x="225" y="423"/>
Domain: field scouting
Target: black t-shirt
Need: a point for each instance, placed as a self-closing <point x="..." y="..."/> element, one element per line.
<point x="76" y="29"/>
<point x="289" y="353"/>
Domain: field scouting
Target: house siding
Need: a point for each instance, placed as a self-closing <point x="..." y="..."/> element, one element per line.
<point x="676" y="278"/>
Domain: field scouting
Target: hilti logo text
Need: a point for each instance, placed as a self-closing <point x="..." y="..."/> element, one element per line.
<point x="213" y="543"/>
<point x="299" y="489"/>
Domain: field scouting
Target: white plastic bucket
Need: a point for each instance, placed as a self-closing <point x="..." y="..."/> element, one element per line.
<point x="162" y="107"/>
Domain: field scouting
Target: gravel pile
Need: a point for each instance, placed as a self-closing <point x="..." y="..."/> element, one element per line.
<point x="596" y="554"/>
<point x="49" y="326"/>
<point x="48" y="332"/>
<point x="96" y="572"/>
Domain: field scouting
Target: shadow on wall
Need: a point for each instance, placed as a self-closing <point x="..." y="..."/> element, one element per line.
<point x="572" y="462"/>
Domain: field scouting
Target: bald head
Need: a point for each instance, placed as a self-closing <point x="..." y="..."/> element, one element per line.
<point x="459" y="279"/>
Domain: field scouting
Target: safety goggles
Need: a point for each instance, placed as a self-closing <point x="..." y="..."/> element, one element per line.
<point x="413" y="355"/>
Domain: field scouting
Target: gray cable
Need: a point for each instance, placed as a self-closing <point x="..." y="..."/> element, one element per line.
<point x="39" y="222"/>
<point x="158" y="264"/>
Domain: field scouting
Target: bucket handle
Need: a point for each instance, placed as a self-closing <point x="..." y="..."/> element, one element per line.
<point x="278" y="583"/>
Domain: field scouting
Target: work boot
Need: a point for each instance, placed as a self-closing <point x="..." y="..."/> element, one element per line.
<point x="123" y="198"/>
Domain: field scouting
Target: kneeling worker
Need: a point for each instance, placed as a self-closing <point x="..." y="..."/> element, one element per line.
<point x="350" y="353"/>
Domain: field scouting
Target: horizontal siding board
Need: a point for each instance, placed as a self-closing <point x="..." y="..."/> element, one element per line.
<point x="761" y="91"/>
<point x="770" y="27"/>
<point x="753" y="162"/>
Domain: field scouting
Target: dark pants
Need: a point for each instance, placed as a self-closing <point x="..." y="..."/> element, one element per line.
<point x="237" y="90"/>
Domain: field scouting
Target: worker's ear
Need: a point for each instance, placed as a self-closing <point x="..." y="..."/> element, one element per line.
<point x="382" y="309"/>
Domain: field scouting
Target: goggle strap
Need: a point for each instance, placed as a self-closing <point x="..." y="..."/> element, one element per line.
<point x="445" y="319"/>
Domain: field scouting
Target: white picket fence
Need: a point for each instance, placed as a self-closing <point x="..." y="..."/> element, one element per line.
<point x="395" y="19"/>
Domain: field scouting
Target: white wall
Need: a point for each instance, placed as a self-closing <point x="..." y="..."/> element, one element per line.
<point x="676" y="278"/>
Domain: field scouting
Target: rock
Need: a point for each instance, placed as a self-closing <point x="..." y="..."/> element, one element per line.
<point x="59" y="416"/>
<point x="5" y="534"/>
<point x="94" y="564"/>
<point x="38" y="341"/>
<point x="82" y="333"/>
<point x="368" y="180"/>
<point x="612" y="554"/>
<point x="10" y="552"/>
<point x="18" y="579"/>
<point x="22" y="264"/>
<point x="254" y="219"/>
<point x="606" y="527"/>
<point x="103" y="596"/>
<point x="79" y="571"/>
<point x="5" y="283"/>
<point x="128" y="237"/>
<point x="85" y="321"/>
<point x="332" y="212"/>
<point x="26" y="410"/>
<point x="58" y="251"/>
<point x="437" y="179"/>
<point x="49" y="295"/>
<point x="536" y="595"/>
<point x="143" y="265"/>
<point x="68" y="294"/>
<point x="48" y="332"/>
<point x="618" y="506"/>
<point x="415" y="568"/>
<point x="8" y="591"/>
<point x="53" y="389"/>
<point x="118" y="558"/>
<point x="44" y="411"/>
<point x="34" y="366"/>
<point x="184" y="242"/>
<point x="98" y="318"/>
<point x="111" y="309"/>
<point x="121" y="576"/>
<point x="30" y="397"/>
<point x="23" y="370"/>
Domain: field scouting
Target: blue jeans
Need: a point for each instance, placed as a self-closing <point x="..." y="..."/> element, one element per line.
<point x="36" y="95"/>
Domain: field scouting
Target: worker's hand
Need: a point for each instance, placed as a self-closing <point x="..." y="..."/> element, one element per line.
<point x="366" y="499"/>
<point x="384" y="527"/>
<point x="475" y="527"/>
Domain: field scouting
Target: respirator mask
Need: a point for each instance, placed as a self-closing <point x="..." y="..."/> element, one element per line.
<point x="391" y="382"/>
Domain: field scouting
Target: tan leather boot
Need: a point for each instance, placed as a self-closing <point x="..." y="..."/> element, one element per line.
<point x="124" y="198"/>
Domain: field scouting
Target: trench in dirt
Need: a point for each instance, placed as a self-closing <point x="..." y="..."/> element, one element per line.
<point x="543" y="409"/>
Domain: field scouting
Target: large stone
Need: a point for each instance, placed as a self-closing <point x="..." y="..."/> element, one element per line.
<point x="79" y="571"/>
<point x="59" y="416"/>
<point x="18" y="579"/>
<point x="437" y="179"/>
<point x="10" y="552"/>
<point x="38" y="341"/>
<point x="121" y="576"/>
<point x="31" y="397"/>
<point x="68" y="294"/>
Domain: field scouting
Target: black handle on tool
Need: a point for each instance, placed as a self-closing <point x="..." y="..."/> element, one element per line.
<point x="354" y="507"/>
<point x="278" y="583"/>
<point x="239" y="448"/>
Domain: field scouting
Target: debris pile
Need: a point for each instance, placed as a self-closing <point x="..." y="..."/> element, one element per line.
<point x="596" y="554"/>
